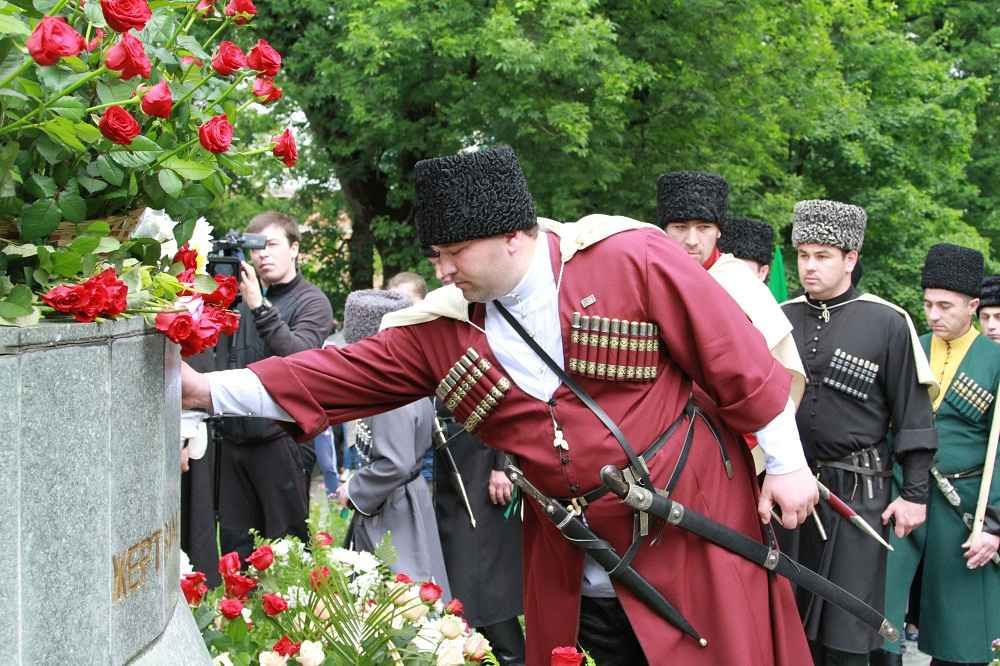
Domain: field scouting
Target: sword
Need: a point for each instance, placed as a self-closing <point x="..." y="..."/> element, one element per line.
<point x="735" y="542"/>
<point x="841" y="507"/>
<point x="456" y="475"/>
<point x="582" y="537"/>
<point x="955" y="502"/>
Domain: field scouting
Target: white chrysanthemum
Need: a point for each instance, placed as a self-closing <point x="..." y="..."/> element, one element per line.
<point x="156" y="224"/>
<point x="186" y="567"/>
<point x="296" y="596"/>
<point x="201" y="241"/>
<point x="280" y="548"/>
<point x="365" y="562"/>
<point x="343" y="556"/>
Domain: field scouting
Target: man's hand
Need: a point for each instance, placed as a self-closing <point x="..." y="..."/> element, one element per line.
<point x="185" y="459"/>
<point x="908" y="516"/>
<point x="795" y="492"/>
<point x="195" y="391"/>
<point x="981" y="551"/>
<point x="250" y="286"/>
<point x="340" y="496"/>
<point x="500" y="488"/>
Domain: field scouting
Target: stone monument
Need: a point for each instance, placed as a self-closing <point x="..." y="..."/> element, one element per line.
<point x="90" y="522"/>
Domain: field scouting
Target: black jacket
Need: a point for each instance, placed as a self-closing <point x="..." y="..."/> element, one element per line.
<point x="300" y="318"/>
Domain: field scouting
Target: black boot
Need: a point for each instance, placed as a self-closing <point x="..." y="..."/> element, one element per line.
<point x="885" y="658"/>
<point x="506" y="640"/>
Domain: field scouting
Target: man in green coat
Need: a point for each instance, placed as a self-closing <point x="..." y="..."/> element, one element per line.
<point x="960" y="585"/>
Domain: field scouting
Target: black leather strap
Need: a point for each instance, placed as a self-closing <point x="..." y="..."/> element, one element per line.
<point x="639" y="468"/>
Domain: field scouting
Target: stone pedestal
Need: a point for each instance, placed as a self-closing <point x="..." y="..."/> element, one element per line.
<point x="90" y="522"/>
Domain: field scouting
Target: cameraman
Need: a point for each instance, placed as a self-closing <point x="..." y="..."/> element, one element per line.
<point x="262" y="484"/>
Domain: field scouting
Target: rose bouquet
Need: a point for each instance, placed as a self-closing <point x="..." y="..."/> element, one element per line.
<point x="109" y="106"/>
<point x="326" y="605"/>
<point x="996" y="652"/>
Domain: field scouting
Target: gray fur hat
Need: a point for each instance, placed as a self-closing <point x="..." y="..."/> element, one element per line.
<point x="471" y="195"/>
<point x="989" y="293"/>
<point x="691" y="195"/>
<point x="364" y="310"/>
<point x="746" y="238"/>
<point x="829" y="223"/>
<point x="954" y="268"/>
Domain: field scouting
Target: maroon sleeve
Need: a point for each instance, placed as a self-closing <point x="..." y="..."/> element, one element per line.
<point x="710" y="338"/>
<point x="322" y="386"/>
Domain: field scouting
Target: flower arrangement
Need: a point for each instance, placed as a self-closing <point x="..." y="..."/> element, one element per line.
<point x="996" y="652"/>
<point x="327" y="605"/>
<point x="110" y="106"/>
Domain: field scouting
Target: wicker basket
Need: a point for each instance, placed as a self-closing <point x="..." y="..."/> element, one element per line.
<point x="122" y="227"/>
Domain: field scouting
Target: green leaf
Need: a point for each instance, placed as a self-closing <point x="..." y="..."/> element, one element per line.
<point x="45" y="186"/>
<point x="49" y="150"/>
<point x="133" y="160"/>
<point x="75" y="64"/>
<point x="73" y="207"/>
<point x="107" y="244"/>
<point x="192" y="46"/>
<point x="183" y="232"/>
<point x="84" y="244"/>
<point x="39" y="219"/>
<point x="41" y="276"/>
<point x="92" y="185"/>
<point x="44" y="6"/>
<point x="10" y="92"/>
<point x="87" y="132"/>
<point x="30" y="319"/>
<point x="11" y="311"/>
<point x="31" y="88"/>
<point x="45" y="257"/>
<point x="143" y="143"/>
<point x="235" y="163"/>
<point x="25" y="250"/>
<point x="20" y="295"/>
<point x="69" y="107"/>
<point x="99" y="228"/>
<point x="11" y="25"/>
<point x="67" y="263"/>
<point x="109" y="171"/>
<point x="205" y="283"/>
<point x="113" y="91"/>
<point x="190" y="169"/>
<point x="170" y="183"/>
<point x="63" y="131"/>
<point x="94" y="14"/>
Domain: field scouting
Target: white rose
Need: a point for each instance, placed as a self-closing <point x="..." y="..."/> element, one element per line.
<point x="476" y="646"/>
<point x="272" y="659"/>
<point x="450" y="654"/>
<point x="310" y="653"/>
<point x="185" y="564"/>
<point x="410" y="596"/>
<point x="280" y="548"/>
<point x="222" y="660"/>
<point x="156" y="224"/>
<point x="451" y="626"/>
<point x="247" y="615"/>
<point x="416" y="612"/>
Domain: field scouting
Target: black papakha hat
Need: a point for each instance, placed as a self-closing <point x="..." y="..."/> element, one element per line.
<point x="364" y="310"/>
<point x="989" y="292"/>
<point x="954" y="268"/>
<point x="746" y="238"/>
<point x="829" y="223"/>
<point x="691" y="195"/>
<point x="471" y="195"/>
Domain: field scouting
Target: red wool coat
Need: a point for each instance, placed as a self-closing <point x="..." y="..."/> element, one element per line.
<point x="639" y="275"/>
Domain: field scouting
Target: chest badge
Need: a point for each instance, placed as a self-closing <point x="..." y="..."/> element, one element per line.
<point x="588" y="300"/>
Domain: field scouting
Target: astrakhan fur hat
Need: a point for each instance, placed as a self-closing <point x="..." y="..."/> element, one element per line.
<point x="364" y="310"/>
<point x="954" y="268"/>
<point x="829" y="223"/>
<point x="746" y="238"/>
<point x="691" y="195"/>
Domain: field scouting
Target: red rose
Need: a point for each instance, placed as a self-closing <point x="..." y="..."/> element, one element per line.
<point x="454" y="607"/>
<point x="430" y="592"/>
<point x="187" y="257"/>
<point x="317" y="577"/>
<point x="116" y="290"/>
<point x="225" y="293"/>
<point x="324" y="539"/>
<point x="229" y="563"/>
<point x="227" y="320"/>
<point x="285" y="647"/>
<point x="403" y="578"/>
<point x="205" y="7"/>
<point x="273" y="604"/>
<point x="191" y="60"/>
<point x="264" y="58"/>
<point x="228" y="59"/>
<point x="177" y="326"/>
<point x="204" y="334"/>
<point x="124" y="14"/>
<point x="118" y="125"/>
<point x="216" y="134"/>
<point x="54" y="38"/>
<point x="63" y="298"/>
<point x="241" y="10"/>
<point x="158" y="101"/>
<point x="565" y="656"/>
<point x="95" y="41"/>
<point x="230" y="608"/>
<point x="238" y="585"/>
<point x="93" y="301"/>
<point x="194" y="588"/>
<point x="261" y="558"/>
<point x="265" y="91"/>
<point x="129" y="58"/>
<point x="284" y="148"/>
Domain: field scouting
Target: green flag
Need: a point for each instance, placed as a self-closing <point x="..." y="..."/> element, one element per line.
<point x="776" y="278"/>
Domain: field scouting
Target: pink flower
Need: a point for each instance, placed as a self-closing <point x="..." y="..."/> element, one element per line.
<point x="430" y="592"/>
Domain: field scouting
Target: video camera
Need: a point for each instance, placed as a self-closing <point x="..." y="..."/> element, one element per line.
<point x="227" y="252"/>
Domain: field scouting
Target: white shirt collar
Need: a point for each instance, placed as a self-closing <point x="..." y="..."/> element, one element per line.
<point x="537" y="282"/>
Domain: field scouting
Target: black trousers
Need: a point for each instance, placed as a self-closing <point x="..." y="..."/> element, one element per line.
<point x="262" y="487"/>
<point x="507" y="640"/>
<point x="607" y="635"/>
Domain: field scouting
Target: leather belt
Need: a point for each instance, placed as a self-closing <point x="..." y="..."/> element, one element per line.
<point x="964" y="474"/>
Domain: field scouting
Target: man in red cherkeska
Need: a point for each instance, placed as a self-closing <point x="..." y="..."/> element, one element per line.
<point x="475" y="211"/>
